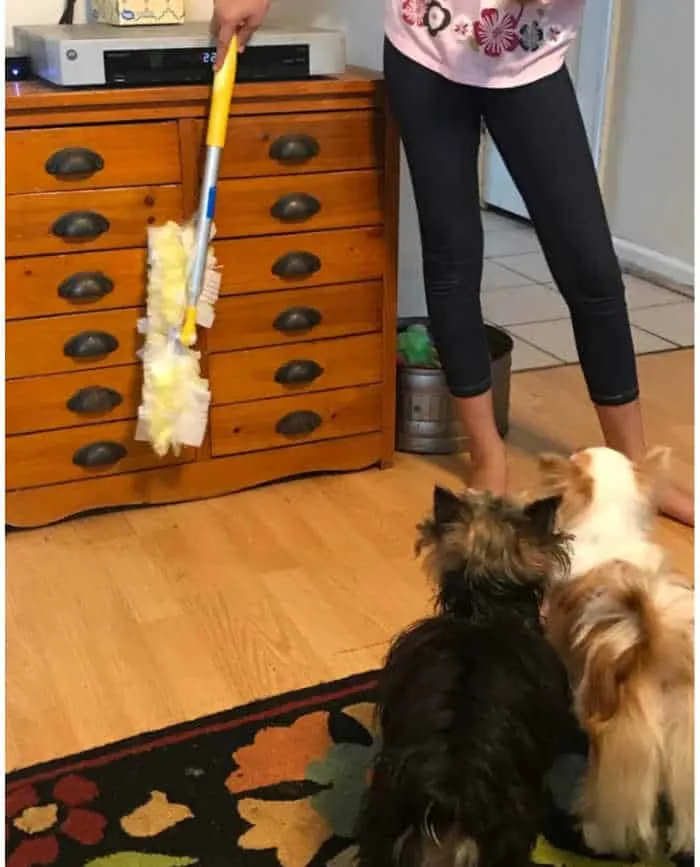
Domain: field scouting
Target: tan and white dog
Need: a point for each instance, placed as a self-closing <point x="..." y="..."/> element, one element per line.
<point x="623" y="625"/>
<point x="607" y="505"/>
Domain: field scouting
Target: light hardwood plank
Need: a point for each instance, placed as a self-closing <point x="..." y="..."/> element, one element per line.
<point x="121" y="623"/>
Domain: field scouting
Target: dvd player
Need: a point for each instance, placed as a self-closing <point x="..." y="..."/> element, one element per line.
<point x="99" y="55"/>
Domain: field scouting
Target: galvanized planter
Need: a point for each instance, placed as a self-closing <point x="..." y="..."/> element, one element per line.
<point x="425" y="419"/>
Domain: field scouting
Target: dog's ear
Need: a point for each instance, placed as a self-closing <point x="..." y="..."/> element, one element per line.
<point x="542" y="515"/>
<point x="653" y="469"/>
<point x="555" y="471"/>
<point x="447" y="507"/>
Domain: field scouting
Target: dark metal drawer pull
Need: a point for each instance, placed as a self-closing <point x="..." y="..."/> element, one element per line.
<point x="298" y="373"/>
<point x="74" y="161"/>
<point x="85" y="286"/>
<point x="295" y="319"/>
<point x="80" y="226"/>
<point x="301" y="423"/>
<point x="94" y="399"/>
<point x="295" y="207"/>
<point x="90" y="344"/>
<point x="297" y="263"/>
<point x="99" y="454"/>
<point x="294" y="148"/>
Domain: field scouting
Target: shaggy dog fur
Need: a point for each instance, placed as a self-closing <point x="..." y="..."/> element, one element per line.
<point x="626" y="636"/>
<point x="474" y="703"/>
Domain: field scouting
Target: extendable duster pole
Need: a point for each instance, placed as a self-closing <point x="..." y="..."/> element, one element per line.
<point x="222" y="92"/>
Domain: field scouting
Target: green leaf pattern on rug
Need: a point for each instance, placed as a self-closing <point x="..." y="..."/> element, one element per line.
<point x="344" y="770"/>
<point x="141" y="859"/>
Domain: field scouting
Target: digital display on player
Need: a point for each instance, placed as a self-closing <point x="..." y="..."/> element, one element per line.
<point x="125" y="68"/>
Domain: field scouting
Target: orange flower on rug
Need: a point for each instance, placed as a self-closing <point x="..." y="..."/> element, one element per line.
<point x="322" y="758"/>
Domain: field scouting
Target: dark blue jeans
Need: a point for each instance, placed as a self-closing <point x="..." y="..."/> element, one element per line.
<point x="540" y="134"/>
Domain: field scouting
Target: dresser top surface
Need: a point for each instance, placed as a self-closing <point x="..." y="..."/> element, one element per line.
<point x="28" y="96"/>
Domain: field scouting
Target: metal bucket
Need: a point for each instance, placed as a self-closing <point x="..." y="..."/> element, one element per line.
<point x="425" y="418"/>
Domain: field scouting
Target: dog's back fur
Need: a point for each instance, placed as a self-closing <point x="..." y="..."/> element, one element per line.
<point x="627" y="637"/>
<point x="473" y="702"/>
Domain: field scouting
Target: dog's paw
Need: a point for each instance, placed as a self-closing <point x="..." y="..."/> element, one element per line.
<point x="682" y="837"/>
<point x="596" y="838"/>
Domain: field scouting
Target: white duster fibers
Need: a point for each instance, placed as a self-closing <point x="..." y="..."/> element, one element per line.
<point x="175" y="398"/>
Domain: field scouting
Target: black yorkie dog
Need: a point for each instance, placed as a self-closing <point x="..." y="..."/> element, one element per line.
<point x="473" y="702"/>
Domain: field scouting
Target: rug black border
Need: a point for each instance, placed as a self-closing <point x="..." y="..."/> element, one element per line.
<point x="259" y="707"/>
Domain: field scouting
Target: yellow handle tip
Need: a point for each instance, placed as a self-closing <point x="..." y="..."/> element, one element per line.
<point x="188" y="334"/>
<point x="222" y="90"/>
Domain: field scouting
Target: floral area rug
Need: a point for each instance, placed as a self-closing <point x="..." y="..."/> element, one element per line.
<point x="277" y="783"/>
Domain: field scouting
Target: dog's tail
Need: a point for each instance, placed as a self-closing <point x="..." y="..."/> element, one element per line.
<point x="635" y="631"/>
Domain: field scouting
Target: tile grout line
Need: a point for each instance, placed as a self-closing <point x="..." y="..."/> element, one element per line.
<point x="673" y="343"/>
<point x="552" y="287"/>
<point x="520" y="273"/>
<point x="535" y="346"/>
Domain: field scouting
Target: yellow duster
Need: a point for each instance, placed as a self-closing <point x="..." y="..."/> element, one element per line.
<point x="183" y="286"/>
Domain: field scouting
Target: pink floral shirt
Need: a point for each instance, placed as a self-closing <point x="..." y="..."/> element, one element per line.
<point x="493" y="44"/>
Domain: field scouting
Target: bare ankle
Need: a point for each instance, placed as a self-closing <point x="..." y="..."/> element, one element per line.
<point x="677" y="503"/>
<point x="488" y="471"/>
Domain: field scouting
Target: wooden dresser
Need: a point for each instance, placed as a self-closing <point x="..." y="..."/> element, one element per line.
<point x="301" y="355"/>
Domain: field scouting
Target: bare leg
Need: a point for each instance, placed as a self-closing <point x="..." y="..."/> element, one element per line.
<point x="488" y="465"/>
<point x="623" y="430"/>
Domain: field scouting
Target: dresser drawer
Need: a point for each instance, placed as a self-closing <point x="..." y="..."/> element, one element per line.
<point x="269" y="424"/>
<point x="267" y="206"/>
<point x="59" y="344"/>
<point x="81" y="157"/>
<point x="87" y="220"/>
<point x="255" y="374"/>
<point x="70" y="399"/>
<point x="75" y="282"/>
<point x="280" y="144"/>
<point x="269" y="319"/>
<point x="39" y="459"/>
<point x="304" y="259"/>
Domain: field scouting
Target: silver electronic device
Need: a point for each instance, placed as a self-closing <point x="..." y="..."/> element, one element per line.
<point x="99" y="55"/>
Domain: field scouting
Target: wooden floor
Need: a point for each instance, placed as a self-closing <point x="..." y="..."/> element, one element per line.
<point x="129" y="622"/>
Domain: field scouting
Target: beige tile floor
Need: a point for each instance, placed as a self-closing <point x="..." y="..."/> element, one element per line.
<point x="519" y="295"/>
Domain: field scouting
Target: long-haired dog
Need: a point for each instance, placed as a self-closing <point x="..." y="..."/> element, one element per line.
<point x="607" y="505"/>
<point x="473" y="701"/>
<point x="626" y="637"/>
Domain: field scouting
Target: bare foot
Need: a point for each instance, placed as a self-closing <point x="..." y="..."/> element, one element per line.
<point x="489" y="473"/>
<point x="676" y="503"/>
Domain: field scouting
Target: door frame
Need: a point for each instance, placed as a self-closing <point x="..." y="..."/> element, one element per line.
<point x="593" y="69"/>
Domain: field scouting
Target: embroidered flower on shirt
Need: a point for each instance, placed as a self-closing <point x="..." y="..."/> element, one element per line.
<point x="531" y="36"/>
<point x="462" y="28"/>
<point x="553" y="33"/>
<point x="496" y="33"/>
<point x="413" y="12"/>
<point x="437" y="17"/>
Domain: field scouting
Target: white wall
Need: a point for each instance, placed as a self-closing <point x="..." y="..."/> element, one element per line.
<point x="648" y="170"/>
<point x="362" y="20"/>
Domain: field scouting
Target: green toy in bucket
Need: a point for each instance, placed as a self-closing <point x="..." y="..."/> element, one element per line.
<point x="415" y="347"/>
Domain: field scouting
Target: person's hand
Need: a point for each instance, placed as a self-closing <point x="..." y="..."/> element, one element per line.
<point x="240" y="18"/>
